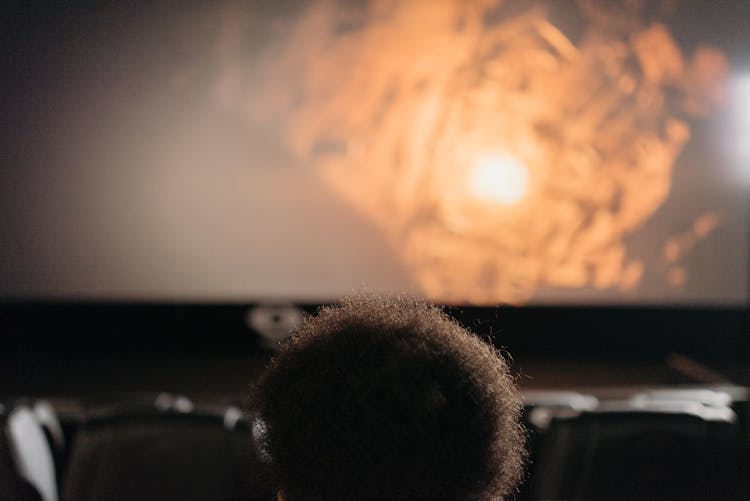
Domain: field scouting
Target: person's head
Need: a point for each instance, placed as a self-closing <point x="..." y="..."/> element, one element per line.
<point x="386" y="398"/>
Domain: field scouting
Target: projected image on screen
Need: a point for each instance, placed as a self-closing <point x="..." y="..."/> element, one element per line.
<point x="474" y="152"/>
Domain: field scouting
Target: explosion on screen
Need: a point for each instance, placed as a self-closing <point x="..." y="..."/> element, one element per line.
<point x="498" y="155"/>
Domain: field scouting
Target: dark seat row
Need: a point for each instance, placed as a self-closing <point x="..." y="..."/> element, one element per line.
<point x="165" y="448"/>
<point x="655" y="445"/>
<point x="676" y="444"/>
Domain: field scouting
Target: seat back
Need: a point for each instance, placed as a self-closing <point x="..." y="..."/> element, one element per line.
<point x="162" y="454"/>
<point x="539" y="406"/>
<point x="640" y="450"/>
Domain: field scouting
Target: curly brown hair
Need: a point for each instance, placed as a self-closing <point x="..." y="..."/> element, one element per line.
<point x="387" y="398"/>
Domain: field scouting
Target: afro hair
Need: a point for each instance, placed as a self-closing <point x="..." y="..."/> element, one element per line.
<point x="384" y="397"/>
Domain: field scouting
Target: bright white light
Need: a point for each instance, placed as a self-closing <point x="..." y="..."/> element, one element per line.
<point x="740" y="97"/>
<point x="499" y="178"/>
<point x="739" y="132"/>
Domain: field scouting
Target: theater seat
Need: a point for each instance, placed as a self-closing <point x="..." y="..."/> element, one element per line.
<point x="27" y="468"/>
<point x="536" y="423"/>
<point x="644" y="448"/>
<point x="170" y="451"/>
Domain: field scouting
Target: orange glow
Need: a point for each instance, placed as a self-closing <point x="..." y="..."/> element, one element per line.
<point x="499" y="178"/>
<point x="598" y="123"/>
<point x="678" y="245"/>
